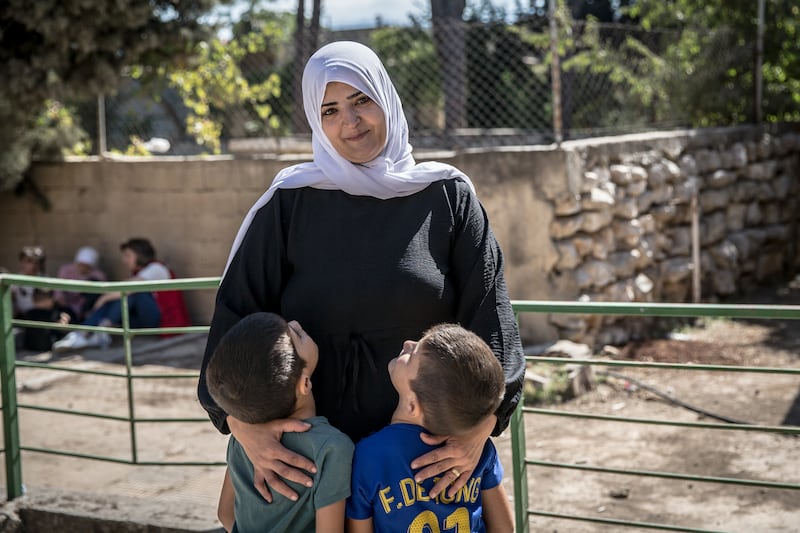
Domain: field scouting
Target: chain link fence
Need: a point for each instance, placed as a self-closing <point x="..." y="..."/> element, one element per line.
<point x="463" y="84"/>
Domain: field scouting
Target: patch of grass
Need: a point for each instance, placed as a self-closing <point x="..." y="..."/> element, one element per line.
<point x="554" y="390"/>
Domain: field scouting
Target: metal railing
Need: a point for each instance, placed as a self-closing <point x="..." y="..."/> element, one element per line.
<point x="520" y="460"/>
<point x="523" y="511"/>
<point x="8" y="364"/>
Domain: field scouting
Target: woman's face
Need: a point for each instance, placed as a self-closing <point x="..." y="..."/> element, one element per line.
<point x="353" y="123"/>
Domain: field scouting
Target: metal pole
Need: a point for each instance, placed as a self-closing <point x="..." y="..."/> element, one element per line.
<point x="102" y="148"/>
<point x="759" y="81"/>
<point x="13" y="451"/>
<point x="518" y="465"/>
<point x="555" y="72"/>
<point x="696" y="292"/>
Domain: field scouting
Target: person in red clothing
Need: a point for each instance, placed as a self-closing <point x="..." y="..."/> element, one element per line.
<point x="147" y="309"/>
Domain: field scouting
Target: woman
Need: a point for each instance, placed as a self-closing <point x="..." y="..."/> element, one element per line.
<point x="365" y="248"/>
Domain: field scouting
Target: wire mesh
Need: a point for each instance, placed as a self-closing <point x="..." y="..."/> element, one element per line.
<point x="462" y="84"/>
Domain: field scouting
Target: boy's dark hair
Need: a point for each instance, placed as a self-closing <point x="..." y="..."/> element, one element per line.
<point x="459" y="382"/>
<point x="145" y="253"/>
<point x="253" y="372"/>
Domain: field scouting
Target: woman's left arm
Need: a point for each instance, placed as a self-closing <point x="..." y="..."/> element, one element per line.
<point x="484" y="305"/>
<point x="456" y="460"/>
<point x="485" y="308"/>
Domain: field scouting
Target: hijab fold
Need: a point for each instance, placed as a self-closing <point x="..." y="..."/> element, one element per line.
<point x="394" y="173"/>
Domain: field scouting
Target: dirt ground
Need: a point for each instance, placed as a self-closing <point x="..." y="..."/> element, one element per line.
<point x="185" y="496"/>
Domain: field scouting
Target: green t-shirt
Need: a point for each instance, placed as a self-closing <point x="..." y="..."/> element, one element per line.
<point x="332" y="453"/>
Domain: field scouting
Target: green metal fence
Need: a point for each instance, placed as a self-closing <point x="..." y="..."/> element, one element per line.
<point x="521" y="459"/>
<point x="8" y="364"/>
<point x="521" y="455"/>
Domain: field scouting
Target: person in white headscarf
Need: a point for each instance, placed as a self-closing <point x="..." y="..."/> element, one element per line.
<point x="365" y="248"/>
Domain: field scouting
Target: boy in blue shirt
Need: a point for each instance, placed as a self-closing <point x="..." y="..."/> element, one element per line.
<point x="261" y="371"/>
<point x="447" y="383"/>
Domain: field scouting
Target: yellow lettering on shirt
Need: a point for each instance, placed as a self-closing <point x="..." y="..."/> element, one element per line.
<point x="386" y="499"/>
<point x="412" y="493"/>
<point x="407" y="490"/>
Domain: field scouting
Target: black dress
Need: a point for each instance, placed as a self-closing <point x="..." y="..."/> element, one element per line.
<point x="362" y="275"/>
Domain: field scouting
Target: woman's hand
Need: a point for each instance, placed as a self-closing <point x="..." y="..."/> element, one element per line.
<point x="456" y="460"/>
<point x="262" y="444"/>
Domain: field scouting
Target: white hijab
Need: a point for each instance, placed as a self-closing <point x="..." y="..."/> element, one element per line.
<point x="392" y="174"/>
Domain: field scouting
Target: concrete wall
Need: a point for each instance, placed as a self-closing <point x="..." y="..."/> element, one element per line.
<point x="538" y="199"/>
<point x="191" y="208"/>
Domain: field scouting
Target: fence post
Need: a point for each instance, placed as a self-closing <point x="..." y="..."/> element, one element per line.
<point x="519" y="468"/>
<point x="555" y="73"/>
<point x="759" y="80"/>
<point x="102" y="146"/>
<point x="13" y="453"/>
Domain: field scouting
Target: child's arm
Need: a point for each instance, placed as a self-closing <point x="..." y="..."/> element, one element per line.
<point x="330" y="519"/>
<point x="497" y="513"/>
<point x="360" y="526"/>
<point x="225" y="507"/>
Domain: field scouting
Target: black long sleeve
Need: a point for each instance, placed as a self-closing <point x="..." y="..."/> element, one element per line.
<point x="362" y="275"/>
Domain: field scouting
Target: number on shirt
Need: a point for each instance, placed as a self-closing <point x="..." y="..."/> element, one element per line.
<point x="457" y="521"/>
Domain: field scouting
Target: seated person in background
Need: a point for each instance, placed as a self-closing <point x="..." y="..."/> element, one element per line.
<point x="139" y="256"/>
<point x="448" y="383"/>
<point x="261" y="371"/>
<point x="83" y="268"/>
<point x="31" y="263"/>
<point x="45" y="309"/>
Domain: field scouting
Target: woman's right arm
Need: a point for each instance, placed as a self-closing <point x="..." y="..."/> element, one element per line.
<point x="253" y="283"/>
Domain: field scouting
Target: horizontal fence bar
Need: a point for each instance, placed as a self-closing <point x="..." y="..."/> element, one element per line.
<point x="789" y="430"/>
<point x="666" y="475"/>
<point x="624" y="523"/>
<point x="109" y="329"/>
<point x="118" y="460"/>
<point x="141" y="420"/>
<point x="110" y="286"/>
<point x="105" y="373"/>
<point x="675" y="366"/>
<point x="659" y="309"/>
<point x="113" y="418"/>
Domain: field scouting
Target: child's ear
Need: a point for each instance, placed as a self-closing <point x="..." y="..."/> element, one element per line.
<point x="412" y="406"/>
<point x="304" y="385"/>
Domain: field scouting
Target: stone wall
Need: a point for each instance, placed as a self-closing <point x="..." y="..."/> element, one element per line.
<point x="624" y="229"/>
<point x="599" y="219"/>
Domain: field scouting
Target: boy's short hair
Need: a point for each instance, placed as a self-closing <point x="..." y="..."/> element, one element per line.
<point x="253" y="372"/>
<point x="143" y="248"/>
<point x="459" y="382"/>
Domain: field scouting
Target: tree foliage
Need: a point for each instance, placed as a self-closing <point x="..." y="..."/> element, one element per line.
<point x="57" y="50"/>
<point x="218" y="93"/>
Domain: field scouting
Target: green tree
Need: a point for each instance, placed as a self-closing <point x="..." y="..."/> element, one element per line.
<point x="711" y="61"/>
<point x="410" y="59"/>
<point x="58" y="50"/>
<point x="220" y="96"/>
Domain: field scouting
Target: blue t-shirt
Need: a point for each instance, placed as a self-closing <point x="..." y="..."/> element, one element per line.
<point x="383" y="486"/>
